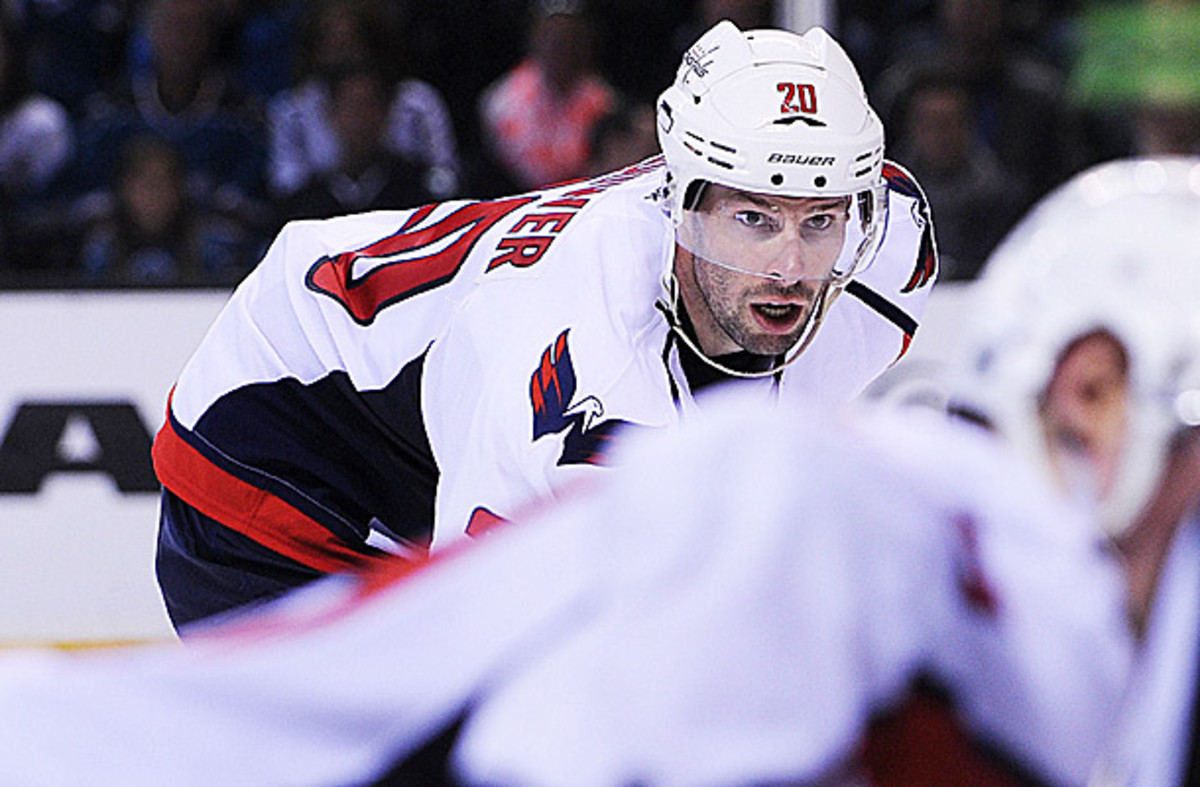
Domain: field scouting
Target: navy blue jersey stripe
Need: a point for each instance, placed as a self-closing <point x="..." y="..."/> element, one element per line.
<point x="348" y="459"/>
<point x="890" y="311"/>
<point x="204" y="567"/>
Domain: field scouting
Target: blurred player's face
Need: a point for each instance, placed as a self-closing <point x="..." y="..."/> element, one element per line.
<point x="752" y="265"/>
<point x="1085" y="413"/>
<point x="1085" y="410"/>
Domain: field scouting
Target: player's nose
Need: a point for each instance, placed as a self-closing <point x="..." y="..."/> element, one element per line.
<point x="793" y="260"/>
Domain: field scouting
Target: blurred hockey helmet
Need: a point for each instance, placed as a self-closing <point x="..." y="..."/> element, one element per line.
<point x="1115" y="251"/>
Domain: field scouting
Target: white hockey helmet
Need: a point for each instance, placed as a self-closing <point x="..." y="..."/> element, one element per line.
<point x="1117" y="249"/>
<point x="773" y="112"/>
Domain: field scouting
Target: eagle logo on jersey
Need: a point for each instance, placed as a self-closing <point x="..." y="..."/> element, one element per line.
<point x="552" y="394"/>
<point x="421" y="255"/>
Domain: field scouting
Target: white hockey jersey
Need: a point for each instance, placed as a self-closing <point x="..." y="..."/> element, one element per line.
<point x="735" y="605"/>
<point x="407" y="377"/>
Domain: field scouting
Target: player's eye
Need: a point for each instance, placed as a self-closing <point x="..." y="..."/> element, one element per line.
<point x="820" y="221"/>
<point x="754" y="219"/>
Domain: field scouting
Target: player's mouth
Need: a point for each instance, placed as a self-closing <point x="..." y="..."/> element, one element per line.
<point x="778" y="317"/>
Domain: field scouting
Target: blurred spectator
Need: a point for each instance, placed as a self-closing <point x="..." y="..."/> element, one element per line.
<point x="336" y="33"/>
<point x="36" y="143"/>
<point x="537" y="117"/>
<point x="367" y="175"/>
<point x="151" y="234"/>
<point x="36" y="136"/>
<point x="1046" y="26"/>
<point x="638" y="44"/>
<point x="624" y="136"/>
<point x="461" y="46"/>
<point x="746" y="14"/>
<point x="974" y="198"/>
<point x="256" y="39"/>
<point x="1018" y="93"/>
<point x="187" y="99"/>
<point x="873" y="30"/>
<point x="76" y="47"/>
<point x="1136" y="78"/>
<point x="1167" y="129"/>
<point x="260" y="36"/>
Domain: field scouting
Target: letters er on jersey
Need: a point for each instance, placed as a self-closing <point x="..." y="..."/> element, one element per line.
<point x="392" y="381"/>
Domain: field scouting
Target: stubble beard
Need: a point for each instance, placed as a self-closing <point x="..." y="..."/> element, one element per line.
<point x="730" y="301"/>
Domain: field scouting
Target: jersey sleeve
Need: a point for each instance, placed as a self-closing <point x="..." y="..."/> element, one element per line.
<point x="1039" y="647"/>
<point x="1032" y="641"/>
<point x="295" y="423"/>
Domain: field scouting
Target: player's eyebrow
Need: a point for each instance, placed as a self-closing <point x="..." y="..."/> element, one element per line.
<point x="838" y="203"/>
<point x="817" y="204"/>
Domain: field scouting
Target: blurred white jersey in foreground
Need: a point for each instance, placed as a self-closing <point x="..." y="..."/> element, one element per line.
<point x="744" y="601"/>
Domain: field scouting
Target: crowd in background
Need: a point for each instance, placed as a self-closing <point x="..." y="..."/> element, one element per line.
<point x="165" y="142"/>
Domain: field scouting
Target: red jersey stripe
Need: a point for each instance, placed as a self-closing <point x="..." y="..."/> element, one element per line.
<point x="253" y="512"/>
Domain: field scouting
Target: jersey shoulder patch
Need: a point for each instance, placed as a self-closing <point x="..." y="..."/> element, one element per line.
<point x="552" y="394"/>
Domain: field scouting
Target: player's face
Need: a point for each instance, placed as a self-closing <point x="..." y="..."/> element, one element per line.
<point x="1084" y="418"/>
<point x="1084" y="410"/>
<point x="756" y="266"/>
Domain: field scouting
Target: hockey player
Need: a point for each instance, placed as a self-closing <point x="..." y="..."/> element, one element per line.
<point x="748" y="599"/>
<point x="390" y="381"/>
<point x="1088" y="358"/>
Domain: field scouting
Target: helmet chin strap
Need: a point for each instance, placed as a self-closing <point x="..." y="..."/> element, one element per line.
<point x="825" y="296"/>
